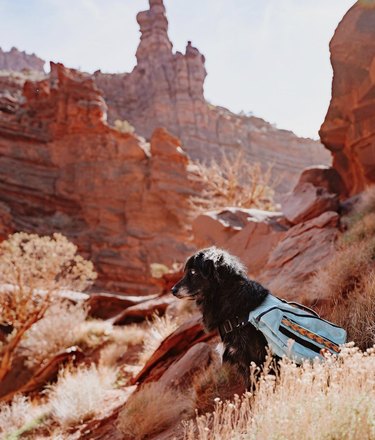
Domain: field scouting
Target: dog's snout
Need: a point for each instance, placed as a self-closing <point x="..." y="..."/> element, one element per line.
<point x="174" y="290"/>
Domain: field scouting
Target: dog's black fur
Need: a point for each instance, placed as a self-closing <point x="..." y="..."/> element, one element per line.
<point x="218" y="283"/>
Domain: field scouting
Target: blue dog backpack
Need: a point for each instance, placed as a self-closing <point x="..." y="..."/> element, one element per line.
<point x="295" y="331"/>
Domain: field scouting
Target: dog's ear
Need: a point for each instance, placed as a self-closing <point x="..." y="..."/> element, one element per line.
<point x="209" y="270"/>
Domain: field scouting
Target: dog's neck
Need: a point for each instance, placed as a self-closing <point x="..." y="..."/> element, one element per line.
<point x="230" y="299"/>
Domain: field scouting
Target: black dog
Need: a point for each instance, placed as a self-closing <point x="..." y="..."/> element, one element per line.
<point x="218" y="283"/>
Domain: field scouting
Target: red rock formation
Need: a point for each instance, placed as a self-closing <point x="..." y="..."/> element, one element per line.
<point x="62" y="168"/>
<point x="166" y="89"/>
<point x="349" y="127"/>
<point x="17" y="61"/>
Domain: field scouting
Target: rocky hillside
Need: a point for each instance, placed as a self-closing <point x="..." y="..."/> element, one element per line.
<point x="166" y="89"/>
<point x="349" y="127"/>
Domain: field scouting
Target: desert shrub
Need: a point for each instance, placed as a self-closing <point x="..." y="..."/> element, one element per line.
<point x="217" y="382"/>
<point x="334" y="399"/>
<point x="79" y="394"/>
<point x="232" y="181"/>
<point x="58" y="329"/>
<point x="153" y="409"/>
<point x="32" y="271"/>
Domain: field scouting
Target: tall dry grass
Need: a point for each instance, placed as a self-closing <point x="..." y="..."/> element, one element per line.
<point x="232" y="181"/>
<point x="347" y="283"/>
<point x="158" y="329"/>
<point x="325" y="400"/>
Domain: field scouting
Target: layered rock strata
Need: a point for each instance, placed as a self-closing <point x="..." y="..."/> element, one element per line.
<point x="166" y="89"/>
<point x="349" y="127"/>
<point x="62" y="168"/>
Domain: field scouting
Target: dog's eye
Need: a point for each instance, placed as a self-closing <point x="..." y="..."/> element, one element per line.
<point x="192" y="271"/>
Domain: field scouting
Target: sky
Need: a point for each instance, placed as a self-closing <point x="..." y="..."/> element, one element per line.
<point x="269" y="58"/>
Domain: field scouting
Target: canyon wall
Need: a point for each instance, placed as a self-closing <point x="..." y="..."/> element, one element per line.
<point x="349" y="127"/>
<point x="63" y="169"/>
<point x="166" y="89"/>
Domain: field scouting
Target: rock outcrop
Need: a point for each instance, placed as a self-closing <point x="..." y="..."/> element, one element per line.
<point x="250" y="234"/>
<point x="165" y="89"/>
<point x="122" y="201"/>
<point x="16" y="61"/>
<point x="349" y="127"/>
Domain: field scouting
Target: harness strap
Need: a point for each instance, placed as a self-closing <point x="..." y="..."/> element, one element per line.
<point x="230" y="325"/>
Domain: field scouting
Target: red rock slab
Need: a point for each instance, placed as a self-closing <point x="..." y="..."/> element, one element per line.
<point x="108" y="305"/>
<point x="307" y="201"/>
<point x="172" y="349"/>
<point x="144" y="310"/>
<point x="180" y="373"/>
<point x="299" y="254"/>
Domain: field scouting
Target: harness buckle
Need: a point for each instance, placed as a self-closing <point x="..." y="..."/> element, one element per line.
<point x="228" y="326"/>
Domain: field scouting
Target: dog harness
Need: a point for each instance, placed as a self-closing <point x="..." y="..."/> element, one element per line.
<point x="291" y="330"/>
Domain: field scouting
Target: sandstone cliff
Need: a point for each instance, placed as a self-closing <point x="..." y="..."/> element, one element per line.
<point x="16" y="61"/>
<point x="62" y="168"/>
<point x="165" y="89"/>
<point x="349" y="127"/>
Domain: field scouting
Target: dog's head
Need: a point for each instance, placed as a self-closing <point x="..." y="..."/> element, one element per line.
<point x="207" y="269"/>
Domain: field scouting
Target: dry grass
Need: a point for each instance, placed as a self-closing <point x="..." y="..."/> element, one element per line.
<point x="18" y="416"/>
<point x="152" y="410"/>
<point x="234" y="182"/>
<point x="79" y="394"/>
<point x="216" y="382"/>
<point x="56" y="331"/>
<point x="158" y="329"/>
<point x="348" y="267"/>
<point x="356" y="313"/>
<point x="329" y="400"/>
<point x="347" y="281"/>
